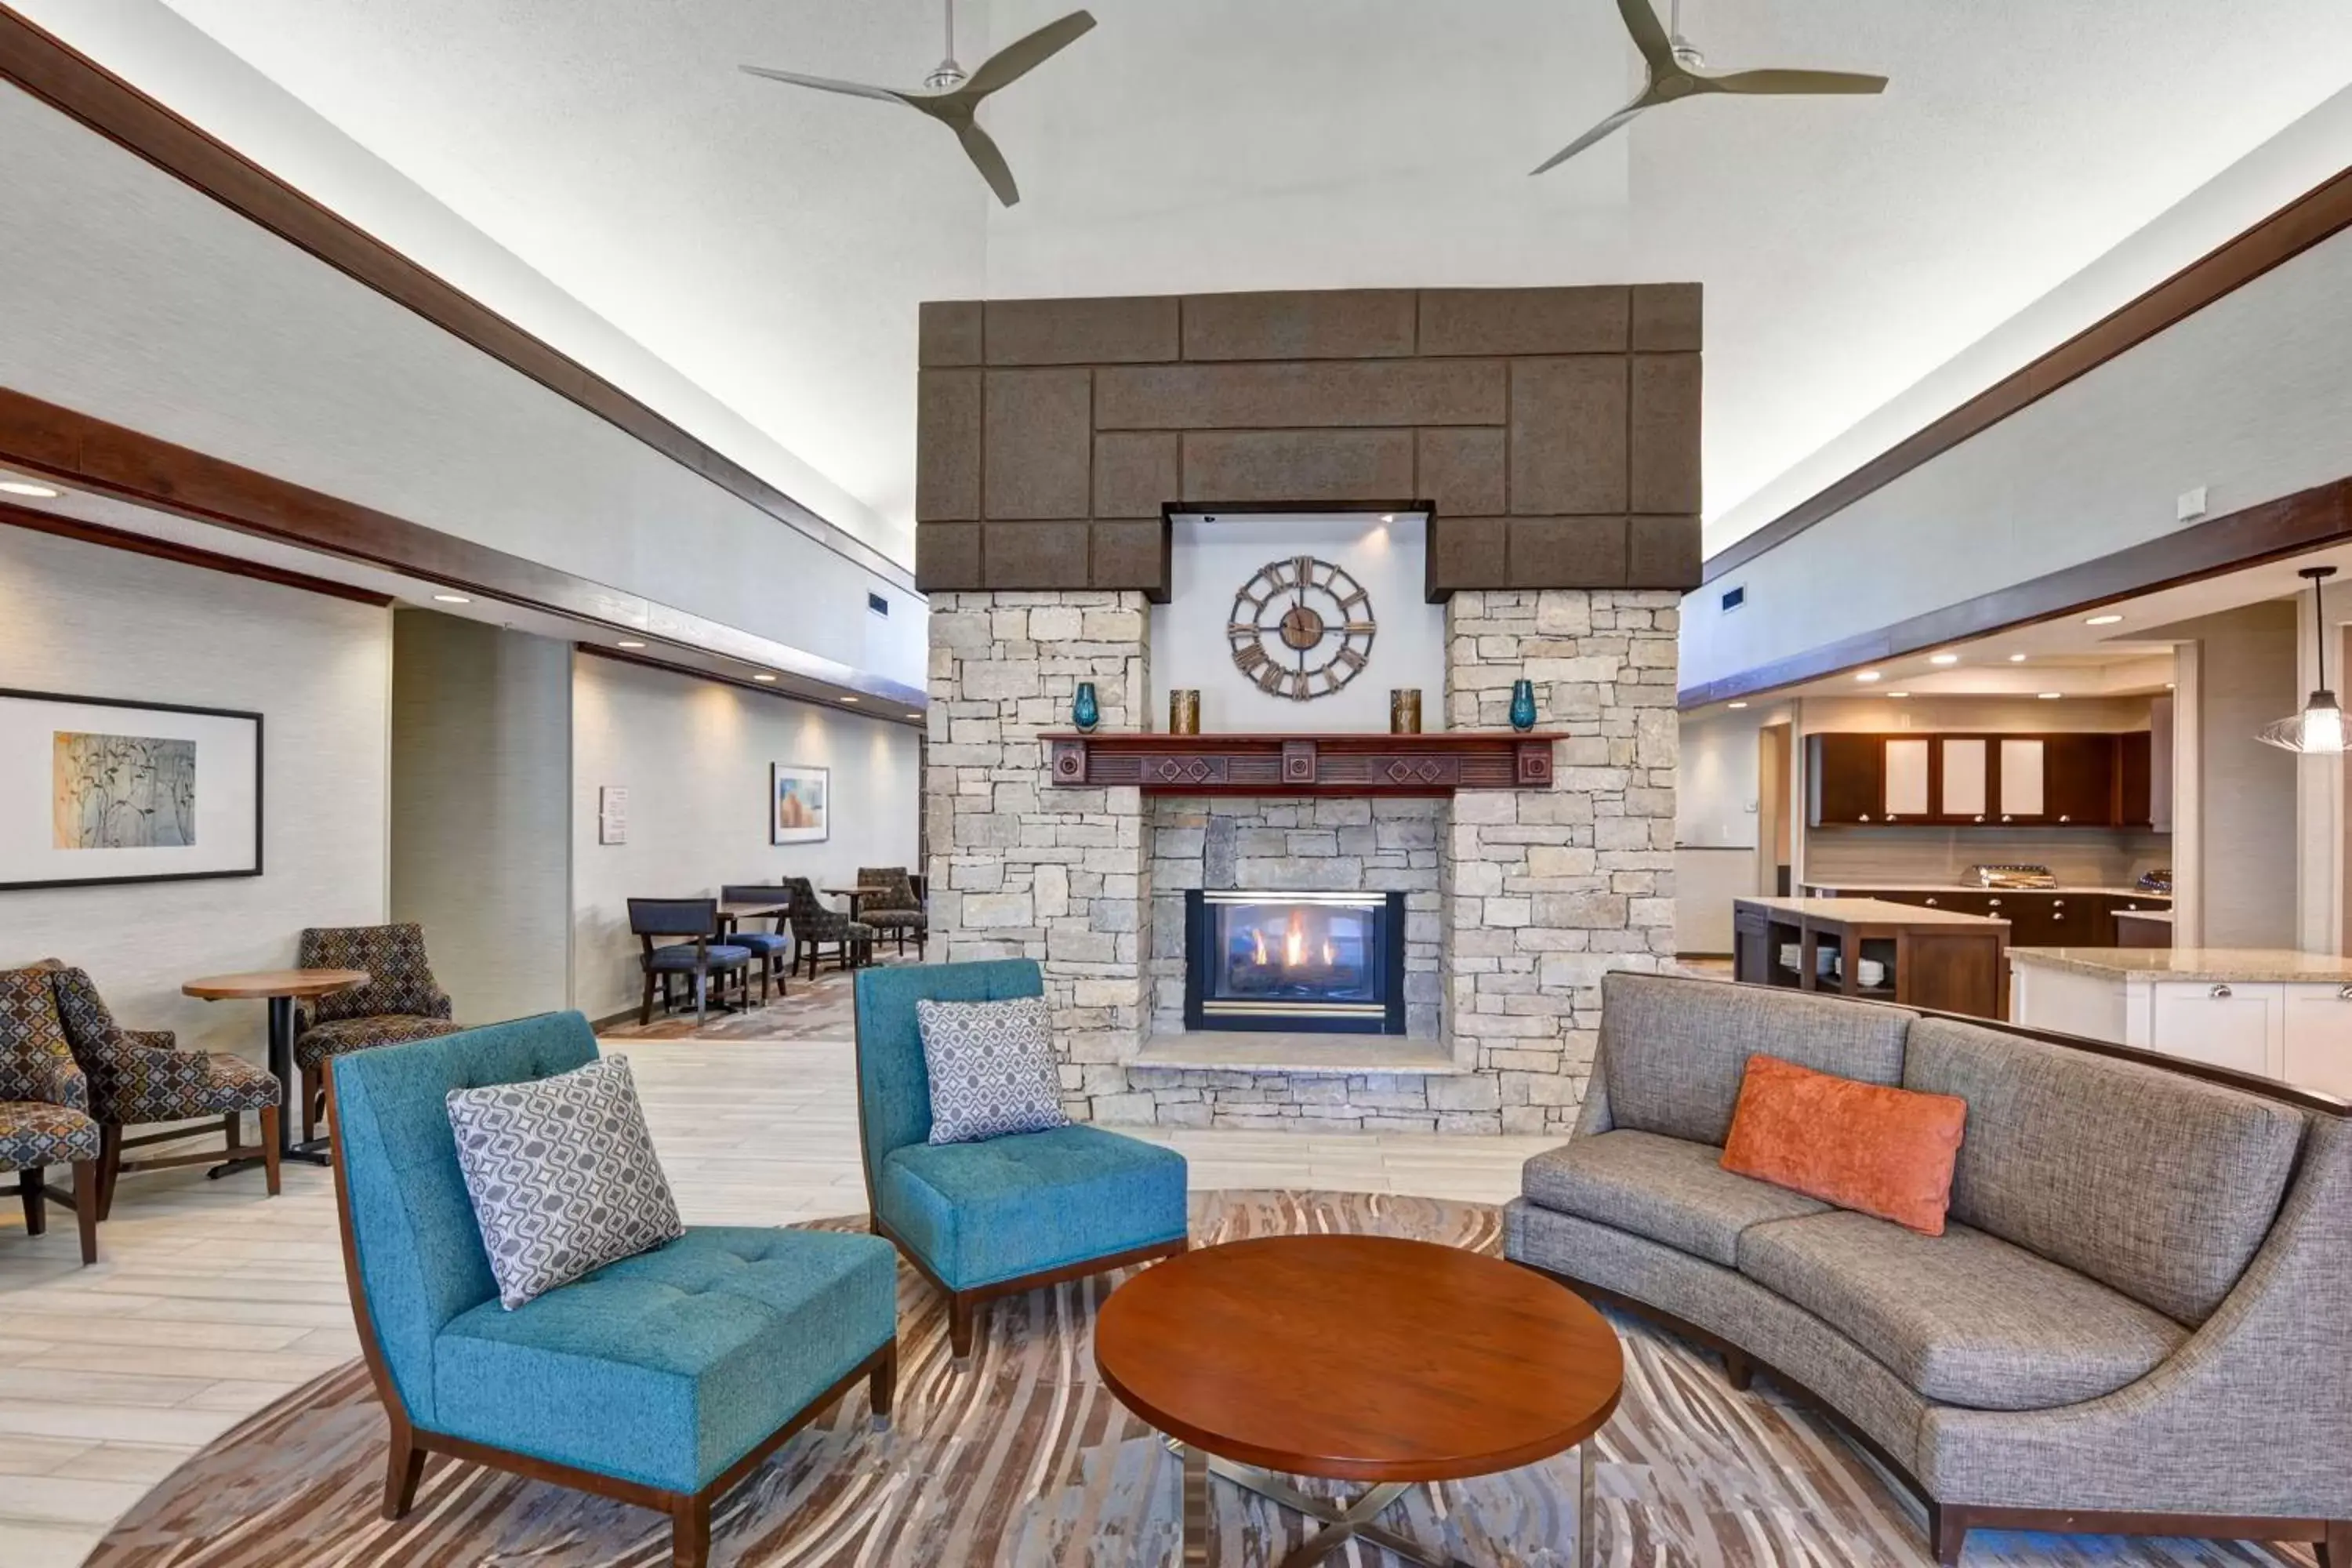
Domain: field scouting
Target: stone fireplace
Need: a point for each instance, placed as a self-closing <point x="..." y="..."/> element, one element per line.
<point x="1549" y="436"/>
<point x="1310" y="963"/>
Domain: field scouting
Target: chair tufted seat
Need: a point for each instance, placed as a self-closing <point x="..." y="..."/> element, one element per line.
<point x="337" y="1036"/>
<point x="891" y="919"/>
<point x="680" y="955"/>
<point x="709" y="1343"/>
<point x="34" y="1133"/>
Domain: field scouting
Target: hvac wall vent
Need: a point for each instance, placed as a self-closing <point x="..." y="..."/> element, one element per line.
<point x="877" y="604"/>
<point x="1733" y="597"/>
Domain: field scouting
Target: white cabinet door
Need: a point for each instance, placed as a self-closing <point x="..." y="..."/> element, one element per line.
<point x="2228" y="1025"/>
<point x="1964" y="778"/>
<point x="2319" y="1038"/>
<point x="1906" y="780"/>
<point x="2021" y="779"/>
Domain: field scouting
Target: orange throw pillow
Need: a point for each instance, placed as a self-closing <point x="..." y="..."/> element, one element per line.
<point x="1883" y="1151"/>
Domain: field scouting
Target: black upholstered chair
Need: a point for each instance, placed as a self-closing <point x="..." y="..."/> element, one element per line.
<point x="891" y="907"/>
<point x="699" y="954"/>
<point x="772" y="950"/>
<point x="814" y="926"/>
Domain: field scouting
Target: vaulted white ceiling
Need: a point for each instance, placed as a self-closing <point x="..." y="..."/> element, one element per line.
<point x="771" y="244"/>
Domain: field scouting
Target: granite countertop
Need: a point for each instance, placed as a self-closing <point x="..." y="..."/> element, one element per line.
<point x="1873" y="911"/>
<point x="2162" y="917"/>
<point x="2085" y="888"/>
<point x="2245" y="965"/>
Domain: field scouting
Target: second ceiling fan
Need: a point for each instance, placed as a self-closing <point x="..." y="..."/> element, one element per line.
<point x="1674" y="74"/>
<point x="955" y="94"/>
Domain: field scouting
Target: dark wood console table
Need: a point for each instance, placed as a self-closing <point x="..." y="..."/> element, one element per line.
<point x="1435" y="764"/>
<point x="1919" y="957"/>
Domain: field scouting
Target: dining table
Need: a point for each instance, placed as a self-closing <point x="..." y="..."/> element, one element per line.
<point x="732" y="914"/>
<point x="857" y="896"/>
<point x="281" y="988"/>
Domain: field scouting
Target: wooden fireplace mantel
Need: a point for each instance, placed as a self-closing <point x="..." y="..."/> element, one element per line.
<point x="1303" y="764"/>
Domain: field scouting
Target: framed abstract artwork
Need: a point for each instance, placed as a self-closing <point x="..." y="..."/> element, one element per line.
<point x="798" y="804"/>
<point x="103" y="789"/>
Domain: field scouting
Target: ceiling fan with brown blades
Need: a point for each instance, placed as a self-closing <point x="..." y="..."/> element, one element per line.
<point x="1675" y="72"/>
<point x="955" y="95"/>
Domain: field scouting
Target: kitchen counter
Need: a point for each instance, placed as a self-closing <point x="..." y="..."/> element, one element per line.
<point x="1876" y="911"/>
<point x="2084" y="888"/>
<point x="2241" y="965"/>
<point x="1873" y="947"/>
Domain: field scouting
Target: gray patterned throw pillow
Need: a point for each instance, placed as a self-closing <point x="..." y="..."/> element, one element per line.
<point x="562" y="1175"/>
<point x="992" y="1069"/>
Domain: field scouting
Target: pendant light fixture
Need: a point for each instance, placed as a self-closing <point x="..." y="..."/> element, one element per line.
<point x="2319" y="730"/>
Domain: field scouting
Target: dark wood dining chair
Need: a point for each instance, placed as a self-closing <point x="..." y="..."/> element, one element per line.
<point x="698" y="955"/>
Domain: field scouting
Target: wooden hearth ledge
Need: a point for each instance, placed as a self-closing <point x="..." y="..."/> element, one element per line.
<point x="1350" y="765"/>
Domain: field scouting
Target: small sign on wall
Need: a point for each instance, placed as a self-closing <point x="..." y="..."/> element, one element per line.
<point x="612" y="814"/>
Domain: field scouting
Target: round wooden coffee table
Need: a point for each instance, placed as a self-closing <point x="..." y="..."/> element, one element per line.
<point x="1359" y="1358"/>
<point x="281" y="988"/>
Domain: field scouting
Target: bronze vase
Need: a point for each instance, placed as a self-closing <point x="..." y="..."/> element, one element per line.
<point x="1404" y="711"/>
<point x="1184" y="711"/>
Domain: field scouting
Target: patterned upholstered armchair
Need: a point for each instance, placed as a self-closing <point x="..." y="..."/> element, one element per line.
<point x="141" y="1075"/>
<point x="401" y="1001"/>
<point x="45" y="1106"/>
<point x="813" y="925"/>
<point x="894" y="908"/>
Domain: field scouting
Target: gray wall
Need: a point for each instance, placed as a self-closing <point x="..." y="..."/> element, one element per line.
<point x="2246" y="798"/>
<point x="481" y="801"/>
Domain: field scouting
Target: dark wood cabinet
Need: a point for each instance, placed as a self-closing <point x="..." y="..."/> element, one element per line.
<point x="2036" y="917"/>
<point x="1873" y="948"/>
<point x="2071" y="780"/>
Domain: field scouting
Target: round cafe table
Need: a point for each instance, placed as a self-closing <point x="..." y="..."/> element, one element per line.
<point x="281" y="988"/>
<point x="1356" y="1358"/>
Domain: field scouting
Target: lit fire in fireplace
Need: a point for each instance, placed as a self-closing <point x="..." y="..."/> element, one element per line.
<point x="1294" y="945"/>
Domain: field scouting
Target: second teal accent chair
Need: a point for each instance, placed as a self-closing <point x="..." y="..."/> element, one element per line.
<point x="999" y="1216"/>
<point x="661" y="1380"/>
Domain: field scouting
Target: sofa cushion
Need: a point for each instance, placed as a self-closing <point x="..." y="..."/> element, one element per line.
<point x="2147" y="1181"/>
<point x="1861" y="1146"/>
<point x="1964" y="1317"/>
<point x="1673" y="1051"/>
<point x="978" y="1214"/>
<point x="1668" y="1189"/>
<point x="667" y="1367"/>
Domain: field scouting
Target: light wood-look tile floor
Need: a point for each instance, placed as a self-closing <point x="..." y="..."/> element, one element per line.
<point x="213" y="1299"/>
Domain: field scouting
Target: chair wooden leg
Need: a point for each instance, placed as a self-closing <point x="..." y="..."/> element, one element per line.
<point x="960" y="1311"/>
<point x="269" y="1161"/>
<point x="645" y="1006"/>
<point x="689" y="1532"/>
<point x="37" y="1202"/>
<point x="109" y="1170"/>
<point x="1737" y="1370"/>
<point x="2336" y="1548"/>
<point x="405" y="1470"/>
<point x="1948" y="1532"/>
<point x="86" y="1202"/>
<point x="233" y="1130"/>
<point x="883" y="1385"/>
<point x="309" y="1103"/>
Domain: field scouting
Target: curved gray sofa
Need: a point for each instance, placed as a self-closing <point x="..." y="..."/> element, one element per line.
<point x="2138" y="1318"/>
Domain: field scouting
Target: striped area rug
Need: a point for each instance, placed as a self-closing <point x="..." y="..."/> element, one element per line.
<point x="1022" y="1460"/>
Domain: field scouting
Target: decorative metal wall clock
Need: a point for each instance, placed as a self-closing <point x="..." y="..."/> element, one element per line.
<point x="1301" y="629"/>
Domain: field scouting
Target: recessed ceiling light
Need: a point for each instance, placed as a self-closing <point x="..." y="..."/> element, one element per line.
<point x="628" y="642"/>
<point x="1899" y="694"/>
<point x="849" y="699"/>
<point x="2168" y="686"/>
<point x="763" y="675"/>
<point x="1943" y="658"/>
<point x="27" y="488"/>
<point x="1388" y="517"/>
<point x="1735" y="704"/>
<point x="911" y="714"/>
<point x="2049" y="696"/>
<point x="2101" y="620"/>
<point x="2017" y="658"/>
<point x="1866" y="675"/>
<point x="451" y="599"/>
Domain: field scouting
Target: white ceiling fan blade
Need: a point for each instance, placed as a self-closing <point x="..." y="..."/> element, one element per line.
<point x="1598" y="134"/>
<point x="828" y="84"/>
<point x="1649" y="35"/>
<point x="1023" y="55"/>
<point x="985" y="157"/>
<point x="1795" y="81"/>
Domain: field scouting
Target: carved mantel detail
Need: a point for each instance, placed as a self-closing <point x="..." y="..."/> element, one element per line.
<point x="1349" y="764"/>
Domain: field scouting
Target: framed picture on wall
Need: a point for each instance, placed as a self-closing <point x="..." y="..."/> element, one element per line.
<point x="103" y="789"/>
<point x="798" y="804"/>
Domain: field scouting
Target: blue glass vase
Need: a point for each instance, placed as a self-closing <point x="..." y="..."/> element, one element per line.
<point x="1083" y="712"/>
<point x="1523" y="705"/>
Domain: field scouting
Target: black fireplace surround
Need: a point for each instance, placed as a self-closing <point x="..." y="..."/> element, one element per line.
<point x="1318" y="962"/>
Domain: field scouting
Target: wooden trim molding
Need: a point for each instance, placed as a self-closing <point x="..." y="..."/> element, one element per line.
<point x="2316" y="215"/>
<point x="1335" y="764"/>
<point x="97" y="533"/>
<point x="2291" y="525"/>
<point x="79" y="87"/>
<point x="89" y="454"/>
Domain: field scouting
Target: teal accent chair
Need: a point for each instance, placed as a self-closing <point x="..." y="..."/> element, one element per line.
<point x="661" y="1380"/>
<point x="1004" y="1215"/>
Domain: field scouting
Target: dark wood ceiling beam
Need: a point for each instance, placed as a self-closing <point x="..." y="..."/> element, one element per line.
<point x="88" y="453"/>
<point x="2316" y="215"/>
<point x="79" y="87"/>
<point x="49" y="523"/>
